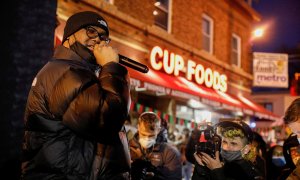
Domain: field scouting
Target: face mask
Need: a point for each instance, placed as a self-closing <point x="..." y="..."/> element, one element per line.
<point x="278" y="161"/>
<point x="231" y="155"/>
<point x="147" y="142"/>
<point x="83" y="52"/>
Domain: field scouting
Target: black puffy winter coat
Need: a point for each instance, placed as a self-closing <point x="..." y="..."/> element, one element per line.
<point x="73" y="120"/>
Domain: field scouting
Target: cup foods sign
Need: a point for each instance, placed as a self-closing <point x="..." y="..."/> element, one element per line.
<point x="270" y="70"/>
<point x="174" y="64"/>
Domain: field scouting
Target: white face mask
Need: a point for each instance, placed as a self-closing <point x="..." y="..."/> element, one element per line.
<point x="147" y="142"/>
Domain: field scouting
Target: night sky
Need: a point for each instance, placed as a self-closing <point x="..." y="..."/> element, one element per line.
<point x="282" y="33"/>
<point x="281" y="18"/>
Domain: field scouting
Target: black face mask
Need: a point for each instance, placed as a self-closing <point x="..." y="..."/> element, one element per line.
<point x="231" y="155"/>
<point x="83" y="52"/>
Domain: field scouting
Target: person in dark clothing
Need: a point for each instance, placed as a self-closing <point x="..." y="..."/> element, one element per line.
<point x="291" y="152"/>
<point x="261" y="152"/>
<point x="163" y="133"/>
<point x="291" y="146"/>
<point x="236" y="151"/>
<point x="198" y="139"/>
<point x="275" y="162"/>
<point x="76" y="108"/>
<point x="151" y="158"/>
<point x="187" y="167"/>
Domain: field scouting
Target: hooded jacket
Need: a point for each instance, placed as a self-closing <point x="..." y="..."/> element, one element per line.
<point x="73" y="120"/>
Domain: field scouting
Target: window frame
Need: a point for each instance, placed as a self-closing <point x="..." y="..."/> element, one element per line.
<point x="268" y="105"/>
<point x="169" y="14"/>
<point x="211" y="32"/>
<point x="238" y="51"/>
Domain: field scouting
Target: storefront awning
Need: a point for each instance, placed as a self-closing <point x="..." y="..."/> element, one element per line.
<point x="164" y="84"/>
<point x="259" y="110"/>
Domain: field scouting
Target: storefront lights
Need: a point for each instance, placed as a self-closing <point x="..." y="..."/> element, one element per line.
<point x="174" y="64"/>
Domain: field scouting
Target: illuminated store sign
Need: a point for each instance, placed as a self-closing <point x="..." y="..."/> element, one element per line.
<point x="174" y="64"/>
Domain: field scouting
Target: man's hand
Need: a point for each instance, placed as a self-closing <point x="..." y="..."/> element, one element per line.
<point x="142" y="169"/>
<point x="206" y="160"/>
<point x="105" y="54"/>
<point x="198" y="158"/>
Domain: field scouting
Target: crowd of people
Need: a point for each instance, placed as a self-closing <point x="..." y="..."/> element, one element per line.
<point x="232" y="150"/>
<point x="76" y="125"/>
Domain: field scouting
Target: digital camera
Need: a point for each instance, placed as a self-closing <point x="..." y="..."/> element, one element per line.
<point x="208" y="142"/>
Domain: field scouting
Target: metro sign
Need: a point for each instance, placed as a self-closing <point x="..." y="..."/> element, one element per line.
<point x="173" y="64"/>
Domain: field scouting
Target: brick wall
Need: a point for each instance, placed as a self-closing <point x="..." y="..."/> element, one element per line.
<point x="133" y="21"/>
<point x="228" y="18"/>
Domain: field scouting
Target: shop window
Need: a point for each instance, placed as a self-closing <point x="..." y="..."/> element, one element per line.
<point x="203" y="116"/>
<point x="184" y="112"/>
<point x="207" y="33"/>
<point x="267" y="105"/>
<point x="236" y="50"/>
<point x="161" y="14"/>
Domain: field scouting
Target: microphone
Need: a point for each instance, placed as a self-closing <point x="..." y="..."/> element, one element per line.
<point x="133" y="64"/>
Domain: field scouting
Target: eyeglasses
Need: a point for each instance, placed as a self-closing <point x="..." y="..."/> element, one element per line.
<point x="93" y="33"/>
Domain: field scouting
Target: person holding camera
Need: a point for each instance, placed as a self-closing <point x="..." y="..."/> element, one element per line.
<point x="202" y="139"/>
<point x="76" y="108"/>
<point x="236" y="157"/>
<point x="152" y="158"/>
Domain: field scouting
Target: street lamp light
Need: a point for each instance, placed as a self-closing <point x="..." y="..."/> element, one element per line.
<point x="259" y="32"/>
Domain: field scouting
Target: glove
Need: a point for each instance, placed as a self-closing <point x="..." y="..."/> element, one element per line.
<point x="139" y="169"/>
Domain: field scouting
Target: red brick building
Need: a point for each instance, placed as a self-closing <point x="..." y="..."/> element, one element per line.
<point x="200" y="68"/>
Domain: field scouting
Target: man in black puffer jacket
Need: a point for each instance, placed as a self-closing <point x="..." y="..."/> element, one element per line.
<point x="76" y="108"/>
